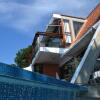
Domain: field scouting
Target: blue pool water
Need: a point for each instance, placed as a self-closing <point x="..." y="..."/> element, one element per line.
<point x="18" y="84"/>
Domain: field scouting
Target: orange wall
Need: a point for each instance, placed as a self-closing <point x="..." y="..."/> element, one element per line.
<point x="50" y="69"/>
<point x="91" y="19"/>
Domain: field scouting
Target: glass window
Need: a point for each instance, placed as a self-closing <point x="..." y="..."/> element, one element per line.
<point x="67" y="31"/>
<point x="77" y="26"/>
<point x="66" y="26"/>
<point x="52" y="42"/>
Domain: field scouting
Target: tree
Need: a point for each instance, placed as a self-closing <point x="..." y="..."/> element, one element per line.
<point x="24" y="57"/>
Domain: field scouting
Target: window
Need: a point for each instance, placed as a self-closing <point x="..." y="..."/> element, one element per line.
<point x="67" y="31"/>
<point x="77" y="26"/>
<point x="52" y="42"/>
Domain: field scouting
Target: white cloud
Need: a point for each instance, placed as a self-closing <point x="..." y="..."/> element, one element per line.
<point x="24" y="16"/>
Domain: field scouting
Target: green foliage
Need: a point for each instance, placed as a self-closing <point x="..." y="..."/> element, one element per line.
<point x="23" y="57"/>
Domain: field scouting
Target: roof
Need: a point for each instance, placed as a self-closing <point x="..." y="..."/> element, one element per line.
<point x="73" y="16"/>
<point x="60" y="15"/>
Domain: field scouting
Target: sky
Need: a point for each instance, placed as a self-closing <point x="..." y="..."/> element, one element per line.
<point x="21" y="19"/>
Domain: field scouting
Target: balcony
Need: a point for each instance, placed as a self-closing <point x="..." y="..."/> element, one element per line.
<point x="47" y="48"/>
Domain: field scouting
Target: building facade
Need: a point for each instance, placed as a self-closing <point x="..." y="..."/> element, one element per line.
<point x="49" y="46"/>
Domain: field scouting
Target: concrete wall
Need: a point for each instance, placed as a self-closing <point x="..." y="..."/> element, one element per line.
<point x="92" y="94"/>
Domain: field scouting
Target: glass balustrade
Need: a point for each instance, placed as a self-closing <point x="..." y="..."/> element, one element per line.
<point x="46" y="41"/>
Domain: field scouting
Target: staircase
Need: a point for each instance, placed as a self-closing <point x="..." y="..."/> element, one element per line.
<point x="86" y="66"/>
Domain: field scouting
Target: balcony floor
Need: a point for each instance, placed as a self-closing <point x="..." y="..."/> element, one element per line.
<point x="48" y="55"/>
